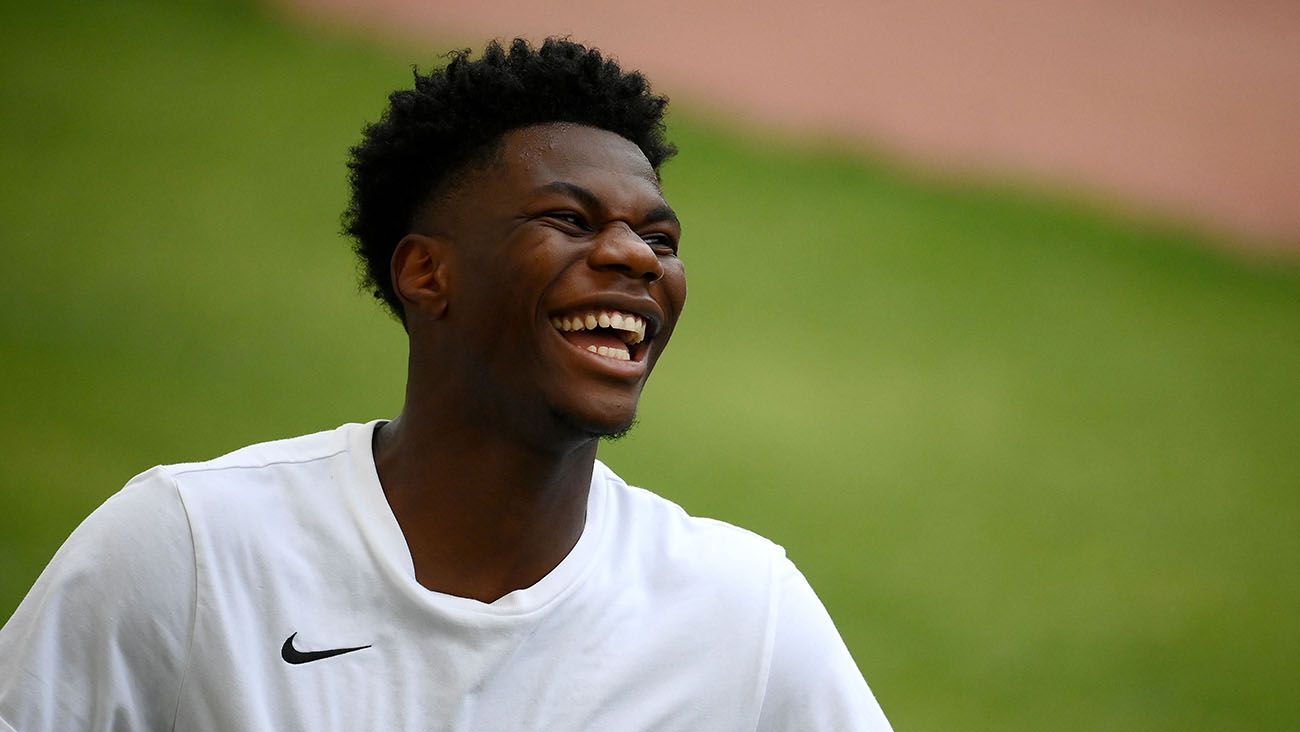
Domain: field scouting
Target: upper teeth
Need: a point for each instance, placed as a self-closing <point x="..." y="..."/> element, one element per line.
<point x="631" y="325"/>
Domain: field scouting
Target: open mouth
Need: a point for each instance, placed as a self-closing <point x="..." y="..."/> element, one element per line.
<point x="613" y="334"/>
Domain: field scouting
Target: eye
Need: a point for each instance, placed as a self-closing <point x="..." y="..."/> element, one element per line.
<point x="661" y="243"/>
<point x="570" y="218"/>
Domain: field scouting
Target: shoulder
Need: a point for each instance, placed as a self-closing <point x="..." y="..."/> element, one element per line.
<point x="666" y="523"/>
<point x="272" y="454"/>
<point x="109" y="620"/>
<point x="268" y="476"/>
<point x="141" y="530"/>
<point x="261" y="495"/>
<point x="752" y="590"/>
<point x="715" y="557"/>
<point x="136" y="545"/>
<point x="813" y="682"/>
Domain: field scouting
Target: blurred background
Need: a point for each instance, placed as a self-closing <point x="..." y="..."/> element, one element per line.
<point x="994" y="318"/>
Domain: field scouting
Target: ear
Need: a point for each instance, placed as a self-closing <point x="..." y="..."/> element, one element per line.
<point x="419" y="272"/>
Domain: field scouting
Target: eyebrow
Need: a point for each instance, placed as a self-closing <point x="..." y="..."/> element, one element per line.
<point x="591" y="200"/>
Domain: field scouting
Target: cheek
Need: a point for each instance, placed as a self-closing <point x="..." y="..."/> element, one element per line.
<point x="674" y="284"/>
<point x="671" y="295"/>
<point x="513" y="277"/>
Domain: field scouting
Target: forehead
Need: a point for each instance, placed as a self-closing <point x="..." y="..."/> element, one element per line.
<point x="546" y="153"/>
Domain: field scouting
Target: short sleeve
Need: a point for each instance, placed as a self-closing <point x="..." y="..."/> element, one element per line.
<point x="813" y="684"/>
<point x="100" y="642"/>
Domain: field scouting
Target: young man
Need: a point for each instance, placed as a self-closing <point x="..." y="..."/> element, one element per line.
<point x="468" y="565"/>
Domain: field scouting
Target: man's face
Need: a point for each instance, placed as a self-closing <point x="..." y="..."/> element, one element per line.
<point x="565" y="280"/>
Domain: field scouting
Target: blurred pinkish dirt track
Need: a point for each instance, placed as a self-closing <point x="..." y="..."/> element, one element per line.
<point x="1189" y="108"/>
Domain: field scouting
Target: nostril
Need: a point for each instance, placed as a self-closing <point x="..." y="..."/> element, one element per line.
<point x="622" y="250"/>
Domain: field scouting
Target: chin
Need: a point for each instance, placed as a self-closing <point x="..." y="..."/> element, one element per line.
<point x="606" y="430"/>
<point x="607" y="426"/>
<point x="620" y="433"/>
<point x="595" y="412"/>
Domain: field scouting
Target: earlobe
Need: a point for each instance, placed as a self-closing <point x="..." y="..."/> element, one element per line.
<point x="419" y="273"/>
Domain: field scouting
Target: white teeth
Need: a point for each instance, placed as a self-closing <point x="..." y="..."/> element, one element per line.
<point x="618" y="354"/>
<point x="633" y="327"/>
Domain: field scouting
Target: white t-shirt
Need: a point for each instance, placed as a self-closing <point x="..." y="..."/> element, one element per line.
<point x="207" y="596"/>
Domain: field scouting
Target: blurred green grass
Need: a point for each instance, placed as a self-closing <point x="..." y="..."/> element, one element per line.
<point x="1039" y="460"/>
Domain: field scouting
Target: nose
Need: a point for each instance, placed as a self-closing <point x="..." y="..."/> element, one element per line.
<point x="620" y="249"/>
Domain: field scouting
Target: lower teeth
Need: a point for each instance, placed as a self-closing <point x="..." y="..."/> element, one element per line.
<point x="614" y="353"/>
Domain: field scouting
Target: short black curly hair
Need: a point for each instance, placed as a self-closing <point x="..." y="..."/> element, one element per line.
<point x="457" y="115"/>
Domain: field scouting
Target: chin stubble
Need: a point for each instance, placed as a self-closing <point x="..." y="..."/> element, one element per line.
<point x="603" y="432"/>
<point x="620" y="434"/>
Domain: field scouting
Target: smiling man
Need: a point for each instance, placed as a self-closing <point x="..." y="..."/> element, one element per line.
<point x="468" y="565"/>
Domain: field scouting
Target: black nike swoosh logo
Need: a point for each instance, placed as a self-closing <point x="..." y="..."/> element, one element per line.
<point x="295" y="656"/>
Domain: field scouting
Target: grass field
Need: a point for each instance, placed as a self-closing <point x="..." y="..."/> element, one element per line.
<point x="1041" y="462"/>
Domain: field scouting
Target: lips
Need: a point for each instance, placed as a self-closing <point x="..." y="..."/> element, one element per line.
<point x="618" y="335"/>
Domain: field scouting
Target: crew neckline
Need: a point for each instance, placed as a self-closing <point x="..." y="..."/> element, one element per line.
<point x="385" y="535"/>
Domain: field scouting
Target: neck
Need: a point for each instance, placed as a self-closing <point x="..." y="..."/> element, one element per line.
<point x="483" y="514"/>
